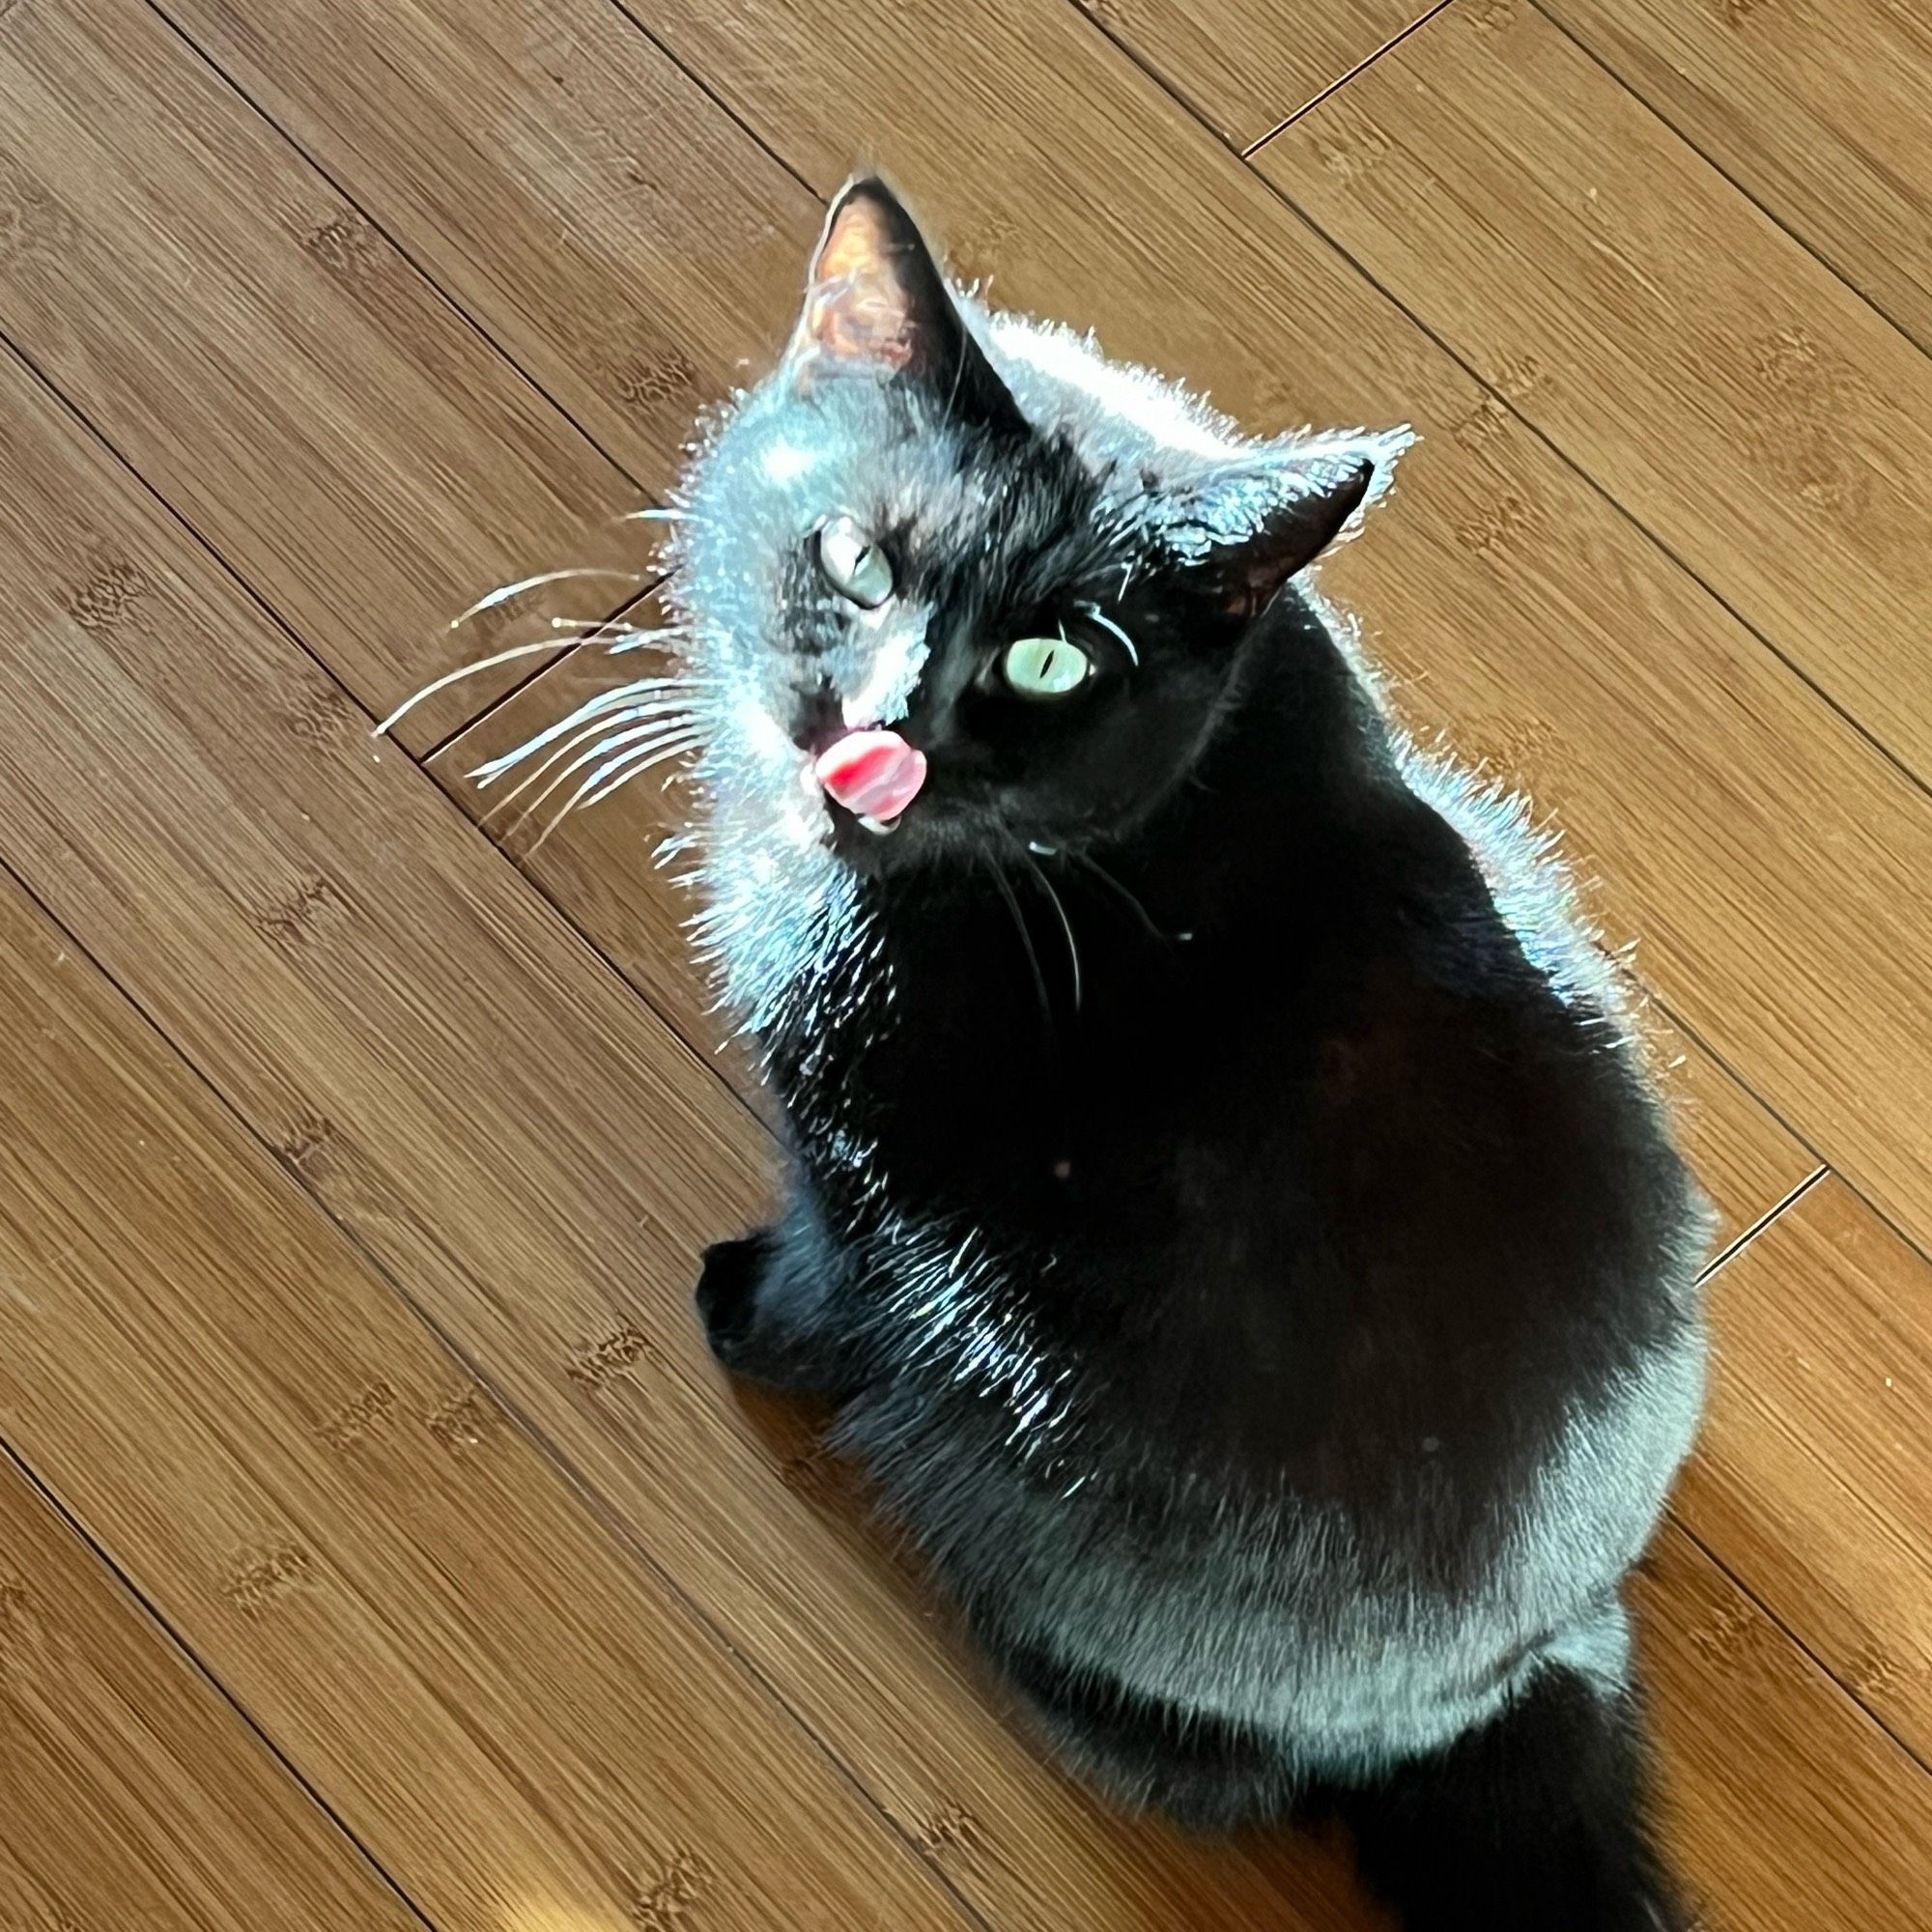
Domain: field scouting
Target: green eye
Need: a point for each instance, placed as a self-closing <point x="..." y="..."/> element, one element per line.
<point x="853" y="564"/>
<point x="1045" y="667"/>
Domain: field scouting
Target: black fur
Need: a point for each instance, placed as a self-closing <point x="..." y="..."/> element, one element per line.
<point x="1533" y="1823"/>
<point x="1319" y="1334"/>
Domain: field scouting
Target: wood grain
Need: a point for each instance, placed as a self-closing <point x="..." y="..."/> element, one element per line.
<point x="319" y="1021"/>
<point x="495" y="1124"/>
<point x="1788" y="1808"/>
<point x="276" y="369"/>
<point x="132" y="1794"/>
<point x="505" y="1706"/>
<point x="1749" y="1163"/>
<point x="1817" y="108"/>
<point x="1245" y="71"/>
<point x="1763" y="849"/>
<point x="1719" y="380"/>
<point x="1814" y="1479"/>
<point x="565" y="182"/>
<point x="503" y="1128"/>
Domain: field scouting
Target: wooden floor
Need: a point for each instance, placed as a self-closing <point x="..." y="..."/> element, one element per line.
<point x="378" y="1546"/>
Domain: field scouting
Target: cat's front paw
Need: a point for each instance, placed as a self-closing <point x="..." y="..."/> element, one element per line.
<point x="727" y="1292"/>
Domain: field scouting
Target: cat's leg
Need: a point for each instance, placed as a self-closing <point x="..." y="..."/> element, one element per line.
<point x="1143" y="1754"/>
<point x="1532" y="1822"/>
<point x="770" y="1309"/>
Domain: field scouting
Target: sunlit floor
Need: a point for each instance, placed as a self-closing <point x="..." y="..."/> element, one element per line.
<point x="381" y="1549"/>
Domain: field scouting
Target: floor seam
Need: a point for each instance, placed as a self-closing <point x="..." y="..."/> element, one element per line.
<point x="445" y="297"/>
<point x="706" y="1070"/>
<point x="161" y="1624"/>
<point x="1334" y="87"/>
<point x="603" y="1513"/>
<point x="1724" y="174"/>
<point x="1739" y="1243"/>
<point x="1574" y="464"/>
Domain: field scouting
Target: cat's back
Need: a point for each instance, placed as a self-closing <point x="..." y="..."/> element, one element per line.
<point x="1364" y="1324"/>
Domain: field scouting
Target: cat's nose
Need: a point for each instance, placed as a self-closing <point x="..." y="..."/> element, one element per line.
<point x="817" y="719"/>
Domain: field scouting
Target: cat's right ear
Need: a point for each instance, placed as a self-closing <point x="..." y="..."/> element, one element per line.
<point x="1242" y="530"/>
<point x="876" y="303"/>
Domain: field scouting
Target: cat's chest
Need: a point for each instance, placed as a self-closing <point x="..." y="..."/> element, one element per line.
<point x="1237" y="1103"/>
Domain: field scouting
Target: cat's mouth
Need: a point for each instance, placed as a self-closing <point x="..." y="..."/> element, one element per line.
<point x="874" y="784"/>
<point x="874" y="775"/>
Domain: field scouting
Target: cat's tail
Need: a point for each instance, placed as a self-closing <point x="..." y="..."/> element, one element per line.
<point x="1533" y="1823"/>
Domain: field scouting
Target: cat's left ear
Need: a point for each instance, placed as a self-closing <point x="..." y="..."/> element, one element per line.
<point x="876" y="302"/>
<point x="1250" y="525"/>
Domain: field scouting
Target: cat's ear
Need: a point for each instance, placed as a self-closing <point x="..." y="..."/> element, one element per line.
<point x="875" y="301"/>
<point x="1245" y="529"/>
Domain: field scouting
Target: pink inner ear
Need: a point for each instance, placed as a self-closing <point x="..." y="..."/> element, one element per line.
<point x="875" y="774"/>
<point x="857" y="308"/>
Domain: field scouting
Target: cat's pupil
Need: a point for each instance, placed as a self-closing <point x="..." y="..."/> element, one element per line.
<point x="1045" y="667"/>
<point x="853" y="564"/>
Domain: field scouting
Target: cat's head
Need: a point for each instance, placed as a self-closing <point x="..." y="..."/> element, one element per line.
<point x="953" y="584"/>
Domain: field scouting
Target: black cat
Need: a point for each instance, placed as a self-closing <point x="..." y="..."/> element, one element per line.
<point x="1227" y="1201"/>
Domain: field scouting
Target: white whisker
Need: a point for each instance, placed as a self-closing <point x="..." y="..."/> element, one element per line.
<point x="1026" y="940"/>
<point x="632" y="639"/>
<point x="668" y="717"/>
<point x="638" y="759"/>
<point x="457" y="676"/>
<point x="625" y="636"/>
<point x="654" y="515"/>
<point x="504" y="592"/>
<point x="638" y="690"/>
<point x="590" y="627"/>
<point x="1107" y="623"/>
<point x="1065" y="927"/>
<point x="605" y="716"/>
<point x="634" y="764"/>
<point x="657" y="731"/>
<point x="1107" y="878"/>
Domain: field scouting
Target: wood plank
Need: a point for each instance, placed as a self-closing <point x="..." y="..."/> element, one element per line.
<point x="1243" y="72"/>
<point x="507" y="1131"/>
<point x="1711" y="374"/>
<point x="503" y="1705"/>
<point x="1817" y="108"/>
<point x="1742" y="1804"/>
<point x="275" y="368"/>
<point x="627" y="242"/>
<point x="1746" y="1158"/>
<point x="1813" y="1482"/>
<point x="1789" y="1810"/>
<point x="593" y="867"/>
<point x="257" y="1031"/>
<point x="133" y="1794"/>
<point x="1749" y="1163"/>
<point x="1769" y="857"/>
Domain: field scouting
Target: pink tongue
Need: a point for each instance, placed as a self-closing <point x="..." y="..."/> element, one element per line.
<point x="875" y="774"/>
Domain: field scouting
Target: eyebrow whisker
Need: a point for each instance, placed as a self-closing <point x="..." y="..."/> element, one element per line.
<point x="1106" y="623"/>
